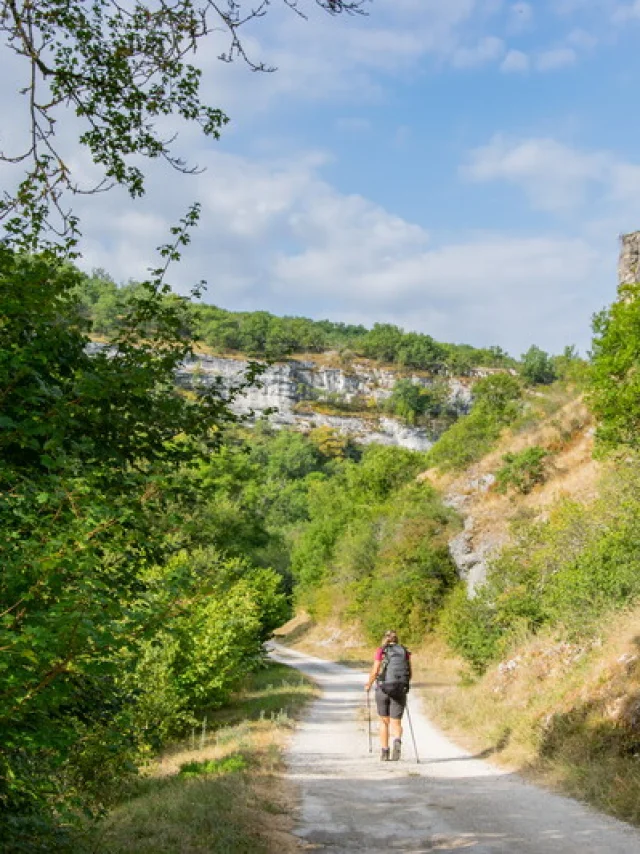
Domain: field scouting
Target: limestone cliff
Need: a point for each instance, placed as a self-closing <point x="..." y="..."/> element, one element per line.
<point x="286" y="387"/>
<point x="629" y="263"/>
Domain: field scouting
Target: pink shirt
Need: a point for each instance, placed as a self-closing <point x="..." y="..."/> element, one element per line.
<point x="379" y="656"/>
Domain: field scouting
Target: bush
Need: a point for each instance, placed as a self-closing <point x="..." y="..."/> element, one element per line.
<point x="538" y="367"/>
<point x="416" y="404"/>
<point x="467" y="626"/>
<point x="522" y="470"/>
<point x="614" y="383"/>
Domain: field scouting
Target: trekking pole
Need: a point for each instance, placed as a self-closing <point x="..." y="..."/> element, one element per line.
<point x="415" y="749"/>
<point x="369" y="720"/>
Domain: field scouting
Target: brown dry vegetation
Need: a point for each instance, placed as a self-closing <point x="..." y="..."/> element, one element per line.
<point x="566" y="714"/>
<point x="566" y="431"/>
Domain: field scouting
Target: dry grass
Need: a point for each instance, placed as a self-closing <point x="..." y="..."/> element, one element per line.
<point x="331" y="640"/>
<point x="565" y="714"/>
<point x="234" y="798"/>
<point x="563" y="425"/>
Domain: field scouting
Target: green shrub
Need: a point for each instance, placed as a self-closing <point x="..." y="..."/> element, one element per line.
<point x="614" y="383"/>
<point x="416" y="404"/>
<point x="522" y="470"/>
<point x="467" y="627"/>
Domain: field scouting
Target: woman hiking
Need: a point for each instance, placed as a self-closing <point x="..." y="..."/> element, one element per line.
<point x="391" y="672"/>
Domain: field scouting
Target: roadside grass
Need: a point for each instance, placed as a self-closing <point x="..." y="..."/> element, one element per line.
<point x="221" y="791"/>
<point x="565" y="714"/>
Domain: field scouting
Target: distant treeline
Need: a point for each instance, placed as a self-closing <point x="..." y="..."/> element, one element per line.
<point x="260" y="334"/>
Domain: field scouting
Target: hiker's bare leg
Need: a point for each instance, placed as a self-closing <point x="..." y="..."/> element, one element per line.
<point x="384" y="733"/>
<point x="396" y="728"/>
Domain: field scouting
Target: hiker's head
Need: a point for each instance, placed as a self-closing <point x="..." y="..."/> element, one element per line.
<point x="389" y="638"/>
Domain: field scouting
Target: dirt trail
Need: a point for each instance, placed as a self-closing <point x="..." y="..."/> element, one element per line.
<point x="449" y="802"/>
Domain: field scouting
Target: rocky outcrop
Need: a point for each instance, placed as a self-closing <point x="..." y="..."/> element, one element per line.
<point x="629" y="263"/>
<point x="472" y="550"/>
<point x="284" y="388"/>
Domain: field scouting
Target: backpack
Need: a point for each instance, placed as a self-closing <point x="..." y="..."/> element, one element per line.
<point x="395" y="665"/>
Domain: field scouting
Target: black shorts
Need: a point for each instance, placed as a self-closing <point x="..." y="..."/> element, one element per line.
<point x="391" y="701"/>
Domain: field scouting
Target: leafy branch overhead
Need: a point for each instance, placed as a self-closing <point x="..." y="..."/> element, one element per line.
<point x="120" y="68"/>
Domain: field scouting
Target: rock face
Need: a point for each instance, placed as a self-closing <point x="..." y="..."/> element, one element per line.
<point x="629" y="263"/>
<point x="284" y="388"/>
<point x="471" y="550"/>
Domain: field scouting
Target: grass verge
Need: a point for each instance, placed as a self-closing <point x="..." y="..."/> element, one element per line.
<point x="566" y="714"/>
<point x="221" y="791"/>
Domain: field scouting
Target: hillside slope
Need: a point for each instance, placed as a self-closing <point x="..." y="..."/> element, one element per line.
<point x="559" y="422"/>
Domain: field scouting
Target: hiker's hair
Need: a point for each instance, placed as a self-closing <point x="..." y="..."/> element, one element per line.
<point x="389" y="638"/>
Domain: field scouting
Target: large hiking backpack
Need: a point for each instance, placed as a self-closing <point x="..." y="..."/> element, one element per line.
<point x="395" y="665"/>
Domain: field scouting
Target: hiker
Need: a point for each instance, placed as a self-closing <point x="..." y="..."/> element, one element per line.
<point x="391" y="672"/>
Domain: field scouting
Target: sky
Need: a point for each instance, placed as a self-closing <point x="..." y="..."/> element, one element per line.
<point x="457" y="167"/>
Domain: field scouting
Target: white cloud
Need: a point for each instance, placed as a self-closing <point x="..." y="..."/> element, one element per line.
<point x="488" y="49"/>
<point x="515" y="62"/>
<point x="559" y="178"/>
<point x="582" y="39"/>
<point x="274" y="234"/>
<point x="623" y="14"/>
<point x="552" y="60"/>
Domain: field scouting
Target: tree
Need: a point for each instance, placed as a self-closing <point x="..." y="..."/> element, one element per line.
<point x="497" y="393"/>
<point x="411" y="402"/>
<point x="420" y="351"/>
<point x="382" y="342"/>
<point x="538" y="367"/>
<point x="118" y="68"/>
<point x="614" y="381"/>
<point x="94" y="515"/>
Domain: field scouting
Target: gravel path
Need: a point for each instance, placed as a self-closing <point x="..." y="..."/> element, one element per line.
<point x="449" y="802"/>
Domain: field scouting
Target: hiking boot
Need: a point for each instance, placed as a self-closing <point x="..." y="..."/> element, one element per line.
<point x="384" y="754"/>
<point x="397" y="748"/>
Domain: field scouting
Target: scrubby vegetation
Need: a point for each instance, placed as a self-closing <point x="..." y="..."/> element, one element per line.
<point x="523" y="470"/>
<point x="375" y="548"/>
<point x="233" y="757"/>
<point x="578" y="562"/>
<point x="497" y="404"/>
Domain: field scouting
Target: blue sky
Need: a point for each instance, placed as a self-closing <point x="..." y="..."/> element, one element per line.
<point x="460" y="167"/>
